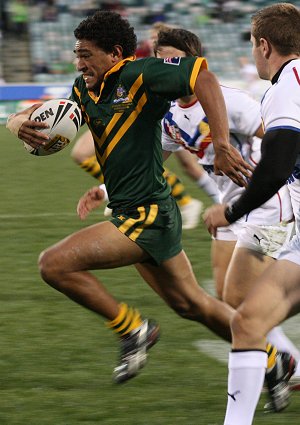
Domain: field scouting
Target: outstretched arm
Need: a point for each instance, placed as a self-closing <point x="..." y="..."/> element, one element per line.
<point x="279" y="153"/>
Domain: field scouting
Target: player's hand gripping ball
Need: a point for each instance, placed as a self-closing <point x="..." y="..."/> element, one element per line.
<point x="64" y="119"/>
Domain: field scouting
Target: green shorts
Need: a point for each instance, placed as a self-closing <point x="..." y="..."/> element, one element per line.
<point x="156" y="228"/>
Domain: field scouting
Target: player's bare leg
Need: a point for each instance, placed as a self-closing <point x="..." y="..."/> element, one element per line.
<point x="83" y="148"/>
<point x="102" y="246"/>
<point x="275" y="297"/>
<point x="175" y="281"/>
<point x="221" y="253"/>
<point x="245" y="268"/>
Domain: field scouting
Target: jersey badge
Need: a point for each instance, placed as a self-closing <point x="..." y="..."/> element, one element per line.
<point x="121" y="100"/>
<point x="172" y="61"/>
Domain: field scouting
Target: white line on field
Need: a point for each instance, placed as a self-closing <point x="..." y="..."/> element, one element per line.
<point x="37" y="215"/>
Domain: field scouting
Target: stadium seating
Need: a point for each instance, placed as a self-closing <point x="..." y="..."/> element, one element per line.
<point x="221" y="30"/>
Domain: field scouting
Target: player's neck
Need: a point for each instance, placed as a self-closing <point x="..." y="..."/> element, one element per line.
<point x="279" y="62"/>
<point x="187" y="101"/>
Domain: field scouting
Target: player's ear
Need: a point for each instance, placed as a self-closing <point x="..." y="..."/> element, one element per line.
<point x="267" y="47"/>
<point x="117" y="52"/>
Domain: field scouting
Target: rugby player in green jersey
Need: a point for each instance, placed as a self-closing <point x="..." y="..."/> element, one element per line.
<point x="123" y="101"/>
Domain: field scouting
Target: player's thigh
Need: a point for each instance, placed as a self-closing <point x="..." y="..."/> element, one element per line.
<point x="98" y="246"/>
<point x="245" y="267"/>
<point x="84" y="147"/>
<point x="274" y="297"/>
<point x="221" y="253"/>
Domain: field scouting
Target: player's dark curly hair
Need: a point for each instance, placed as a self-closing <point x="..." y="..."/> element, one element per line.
<point x="180" y="39"/>
<point x="106" y="30"/>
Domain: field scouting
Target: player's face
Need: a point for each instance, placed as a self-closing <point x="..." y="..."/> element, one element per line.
<point x="259" y="59"/>
<point x="92" y="62"/>
<point x="169" y="52"/>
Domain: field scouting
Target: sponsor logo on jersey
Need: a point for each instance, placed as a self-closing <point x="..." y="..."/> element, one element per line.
<point x="172" y="61"/>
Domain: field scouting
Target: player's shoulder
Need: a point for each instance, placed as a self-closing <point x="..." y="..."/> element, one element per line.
<point x="238" y="100"/>
<point x="235" y="93"/>
<point x="285" y="90"/>
<point x="289" y="77"/>
<point x="132" y="70"/>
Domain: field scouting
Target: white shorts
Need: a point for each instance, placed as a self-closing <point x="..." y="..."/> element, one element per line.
<point x="291" y="251"/>
<point x="229" y="233"/>
<point x="266" y="240"/>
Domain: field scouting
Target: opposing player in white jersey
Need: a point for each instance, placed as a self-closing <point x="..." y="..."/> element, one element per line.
<point x="242" y="251"/>
<point x="275" y="40"/>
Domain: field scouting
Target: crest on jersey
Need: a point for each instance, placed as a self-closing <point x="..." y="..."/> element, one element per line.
<point x="121" y="95"/>
<point x="122" y="100"/>
<point x="172" y="61"/>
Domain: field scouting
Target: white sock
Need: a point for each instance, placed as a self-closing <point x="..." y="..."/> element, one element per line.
<point x="278" y="338"/>
<point x="209" y="186"/>
<point x="245" y="382"/>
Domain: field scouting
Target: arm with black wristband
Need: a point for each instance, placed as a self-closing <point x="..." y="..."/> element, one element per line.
<point x="280" y="148"/>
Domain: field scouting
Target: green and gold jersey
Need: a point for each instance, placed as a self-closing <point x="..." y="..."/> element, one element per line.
<point x="125" y="122"/>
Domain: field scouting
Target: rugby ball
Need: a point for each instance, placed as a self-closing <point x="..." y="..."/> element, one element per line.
<point x="64" y="119"/>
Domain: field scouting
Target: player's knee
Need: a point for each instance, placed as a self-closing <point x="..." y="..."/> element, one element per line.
<point x="185" y="308"/>
<point x="243" y="327"/>
<point x="76" y="155"/>
<point x="48" y="267"/>
<point x="231" y="299"/>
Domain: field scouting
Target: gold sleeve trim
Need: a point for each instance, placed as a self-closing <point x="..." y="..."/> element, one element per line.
<point x="200" y="64"/>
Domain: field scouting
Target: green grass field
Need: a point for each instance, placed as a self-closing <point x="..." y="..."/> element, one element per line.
<point x="56" y="357"/>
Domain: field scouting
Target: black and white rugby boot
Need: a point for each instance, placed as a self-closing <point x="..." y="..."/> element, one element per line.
<point x="277" y="380"/>
<point x="134" y="348"/>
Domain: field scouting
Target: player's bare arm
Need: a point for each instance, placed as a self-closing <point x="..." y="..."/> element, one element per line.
<point x="92" y="199"/>
<point x="26" y="129"/>
<point x="227" y="158"/>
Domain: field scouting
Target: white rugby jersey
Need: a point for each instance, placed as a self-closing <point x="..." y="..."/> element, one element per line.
<point x="281" y="109"/>
<point x="244" y="119"/>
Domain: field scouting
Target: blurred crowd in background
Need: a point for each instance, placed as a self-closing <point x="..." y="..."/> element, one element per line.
<point x="36" y="36"/>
